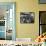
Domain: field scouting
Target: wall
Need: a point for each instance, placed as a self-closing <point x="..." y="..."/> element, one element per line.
<point x="27" y="30"/>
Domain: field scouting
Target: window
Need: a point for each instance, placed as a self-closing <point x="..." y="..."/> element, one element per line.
<point x="42" y="22"/>
<point x="7" y="21"/>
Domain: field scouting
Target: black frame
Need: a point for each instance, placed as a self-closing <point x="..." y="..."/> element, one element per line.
<point x="39" y="21"/>
<point x="40" y="2"/>
<point x="27" y="15"/>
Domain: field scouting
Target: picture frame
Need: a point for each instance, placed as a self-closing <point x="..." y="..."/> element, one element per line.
<point x="27" y="17"/>
<point x="42" y="1"/>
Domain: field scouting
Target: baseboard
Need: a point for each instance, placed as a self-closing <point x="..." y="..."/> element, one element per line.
<point x="24" y="39"/>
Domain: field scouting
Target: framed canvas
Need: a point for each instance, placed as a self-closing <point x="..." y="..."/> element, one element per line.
<point x="42" y="1"/>
<point x="7" y="20"/>
<point x="27" y="17"/>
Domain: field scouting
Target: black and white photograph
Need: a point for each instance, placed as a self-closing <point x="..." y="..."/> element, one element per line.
<point x="42" y="1"/>
<point x="27" y="17"/>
